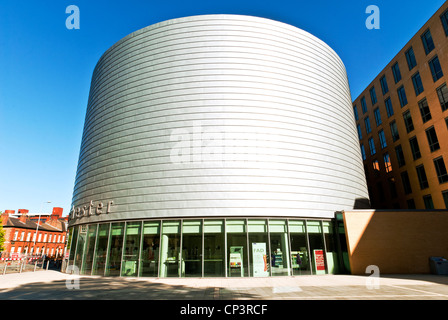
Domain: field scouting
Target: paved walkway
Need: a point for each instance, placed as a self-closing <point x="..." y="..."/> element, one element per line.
<point x="54" y="285"/>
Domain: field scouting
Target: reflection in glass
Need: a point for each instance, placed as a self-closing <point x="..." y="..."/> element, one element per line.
<point x="80" y="246"/>
<point x="214" y="250"/>
<point x="279" y="248"/>
<point x="72" y="243"/>
<point x="149" y="266"/>
<point x="331" y="253"/>
<point x="259" y="248"/>
<point x="300" y="261"/>
<point x="192" y="248"/>
<point x="318" y="260"/>
<point x="90" y="246"/>
<point x="99" y="262"/>
<point x="170" y="249"/>
<point x="236" y="248"/>
<point x="131" y="249"/>
<point x="115" y="249"/>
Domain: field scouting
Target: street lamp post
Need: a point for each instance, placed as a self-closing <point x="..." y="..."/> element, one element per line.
<point x="38" y="221"/>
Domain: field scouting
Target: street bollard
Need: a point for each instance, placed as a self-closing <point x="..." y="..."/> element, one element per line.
<point x="4" y="269"/>
<point x="21" y="266"/>
<point x="35" y="266"/>
<point x="48" y="263"/>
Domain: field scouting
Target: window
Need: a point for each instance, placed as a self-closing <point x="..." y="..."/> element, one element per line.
<point x="376" y="166"/>
<point x="384" y="87"/>
<point x="367" y="123"/>
<point x="432" y="139"/>
<point x="372" y="146"/>
<point x="363" y="152"/>
<point x="442" y="174"/>
<point x="394" y="131"/>
<point x="358" y="127"/>
<point x="377" y="114"/>
<point x="389" y="108"/>
<point x="408" y="121"/>
<point x="418" y="85"/>
<point x="406" y="182"/>
<point x="382" y="139"/>
<point x="442" y="92"/>
<point x="400" y="155"/>
<point x="428" y="202"/>
<point x="16" y="235"/>
<point x="428" y="43"/>
<point x="436" y="69"/>
<point x="392" y="187"/>
<point x="444" y="18"/>
<point x="445" y="198"/>
<point x="355" y="111"/>
<point x="410" y="58"/>
<point x="422" y="179"/>
<point x="424" y="110"/>
<point x="373" y="95"/>
<point x="387" y="163"/>
<point x="410" y="203"/>
<point x="396" y="72"/>
<point x="415" y="148"/>
<point x="363" y="105"/>
<point x="402" y="96"/>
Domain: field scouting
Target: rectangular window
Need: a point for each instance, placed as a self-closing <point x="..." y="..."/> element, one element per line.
<point x="402" y="96"/>
<point x="367" y="124"/>
<point x="387" y="163"/>
<point x="372" y="146"/>
<point x="442" y="93"/>
<point x="394" y="131"/>
<point x="382" y="139"/>
<point x="408" y="121"/>
<point x="373" y="95"/>
<point x="436" y="69"/>
<point x="410" y="58"/>
<point x="355" y="111"/>
<point x="389" y="108"/>
<point x="406" y="182"/>
<point x="424" y="110"/>
<point x="428" y="202"/>
<point x="396" y="72"/>
<point x="422" y="179"/>
<point x="445" y="198"/>
<point x="442" y="174"/>
<point x="358" y="127"/>
<point x="384" y="87"/>
<point x="400" y="155"/>
<point x="418" y="85"/>
<point x="428" y="43"/>
<point x="432" y="139"/>
<point x="376" y="166"/>
<point x="377" y="114"/>
<point x="363" y="152"/>
<point x="363" y="105"/>
<point x="410" y="203"/>
<point x="444" y="19"/>
<point x="415" y="148"/>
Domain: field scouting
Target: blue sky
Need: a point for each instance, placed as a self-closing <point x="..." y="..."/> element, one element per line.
<point x="45" y="70"/>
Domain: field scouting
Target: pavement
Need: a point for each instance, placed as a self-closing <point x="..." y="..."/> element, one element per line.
<point x="54" y="285"/>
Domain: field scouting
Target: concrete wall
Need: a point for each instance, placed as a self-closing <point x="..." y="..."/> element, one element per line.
<point x="395" y="241"/>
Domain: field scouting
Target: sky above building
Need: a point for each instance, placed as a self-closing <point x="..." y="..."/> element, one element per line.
<point x="46" y="68"/>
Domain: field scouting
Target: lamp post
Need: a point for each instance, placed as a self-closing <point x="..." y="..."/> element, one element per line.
<point x="38" y="221"/>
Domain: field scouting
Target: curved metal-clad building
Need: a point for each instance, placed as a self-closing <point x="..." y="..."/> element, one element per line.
<point x="216" y="117"/>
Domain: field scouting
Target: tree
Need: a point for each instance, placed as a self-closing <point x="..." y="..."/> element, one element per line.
<point x="2" y="234"/>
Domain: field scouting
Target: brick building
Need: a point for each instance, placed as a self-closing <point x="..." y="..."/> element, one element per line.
<point x="24" y="236"/>
<point x="402" y="123"/>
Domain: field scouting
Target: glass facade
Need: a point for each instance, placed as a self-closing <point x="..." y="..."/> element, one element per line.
<point x="245" y="247"/>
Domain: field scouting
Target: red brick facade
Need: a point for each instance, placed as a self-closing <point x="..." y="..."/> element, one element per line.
<point x="21" y="238"/>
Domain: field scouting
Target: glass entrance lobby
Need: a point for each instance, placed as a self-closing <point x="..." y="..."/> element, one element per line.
<point x="246" y="247"/>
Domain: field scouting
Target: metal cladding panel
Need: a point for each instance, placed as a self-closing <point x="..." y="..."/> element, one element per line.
<point x="218" y="115"/>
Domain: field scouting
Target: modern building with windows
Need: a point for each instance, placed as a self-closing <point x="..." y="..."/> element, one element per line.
<point x="216" y="146"/>
<point x="402" y="123"/>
